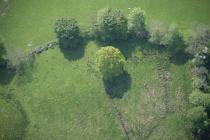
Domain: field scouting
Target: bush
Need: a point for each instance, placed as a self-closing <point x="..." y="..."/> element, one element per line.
<point x="199" y="60"/>
<point x="200" y="70"/>
<point x="198" y="40"/>
<point x="110" y="62"/>
<point x="137" y="24"/>
<point x="173" y="39"/>
<point x="111" y="25"/>
<point x="168" y="36"/>
<point x="198" y="119"/>
<point x="199" y="98"/>
<point x="68" y="32"/>
<point x="157" y="30"/>
<point x="201" y="82"/>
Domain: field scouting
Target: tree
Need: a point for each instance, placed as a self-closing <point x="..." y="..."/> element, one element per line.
<point x="198" y="98"/>
<point x="68" y="32"/>
<point x="137" y="23"/>
<point x="198" y="119"/>
<point x="111" y="25"/>
<point x="110" y="62"/>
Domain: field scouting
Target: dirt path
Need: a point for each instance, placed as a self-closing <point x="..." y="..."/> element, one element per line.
<point x="119" y="116"/>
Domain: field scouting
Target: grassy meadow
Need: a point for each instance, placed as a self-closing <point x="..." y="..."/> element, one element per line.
<point x="63" y="97"/>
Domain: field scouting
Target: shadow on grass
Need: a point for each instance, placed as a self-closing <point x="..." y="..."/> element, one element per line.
<point x="180" y="58"/>
<point x="126" y="47"/>
<point x="74" y="52"/>
<point x="118" y="86"/>
<point x="6" y="75"/>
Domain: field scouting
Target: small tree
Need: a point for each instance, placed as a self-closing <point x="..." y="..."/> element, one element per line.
<point x="110" y="62"/>
<point x="137" y="23"/>
<point x="198" y="119"/>
<point x="111" y="25"/>
<point x="68" y="32"/>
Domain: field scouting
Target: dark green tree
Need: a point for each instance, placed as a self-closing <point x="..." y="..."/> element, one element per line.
<point x="68" y="32"/>
<point x="111" y="25"/>
<point x="137" y="24"/>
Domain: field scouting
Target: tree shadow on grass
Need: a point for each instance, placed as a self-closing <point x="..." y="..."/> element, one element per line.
<point x="180" y="57"/>
<point x="118" y="86"/>
<point x="74" y="52"/>
<point x="126" y="46"/>
<point x="6" y="74"/>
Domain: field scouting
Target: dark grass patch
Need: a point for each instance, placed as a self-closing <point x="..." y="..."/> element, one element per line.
<point x="13" y="119"/>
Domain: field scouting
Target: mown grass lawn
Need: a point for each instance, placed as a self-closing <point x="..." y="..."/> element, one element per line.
<point x="64" y="97"/>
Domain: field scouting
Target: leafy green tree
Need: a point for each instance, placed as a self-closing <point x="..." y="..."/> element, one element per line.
<point x="68" y="32"/>
<point x="110" y="62"/>
<point x="111" y="25"/>
<point x="137" y="23"/>
<point x="198" y="119"/>
<point x="199" y="98"/>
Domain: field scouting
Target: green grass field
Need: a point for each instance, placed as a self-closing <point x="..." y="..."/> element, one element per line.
<point x="64" y="97"/>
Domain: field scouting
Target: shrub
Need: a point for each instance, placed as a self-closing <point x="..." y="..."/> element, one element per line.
<point x="157" y="30"/>
<point x="137" y="24"/>
<point x="173" y="39"/>
<point x="110" y="62"/>
<point x="111" y="25"/>
<point x="199" y="60"/>
<point x="201" y="82"/>
<point x="68" y="32"/>
<point x="201" y="70"/>
<point x="168" y="36"/>
<point x="198" y="98"/>
<point x="198" y="119"/>
<point x="198" y="40"/>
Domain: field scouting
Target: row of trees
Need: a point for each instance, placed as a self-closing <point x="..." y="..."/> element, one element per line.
<point x="112" y="26"/>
